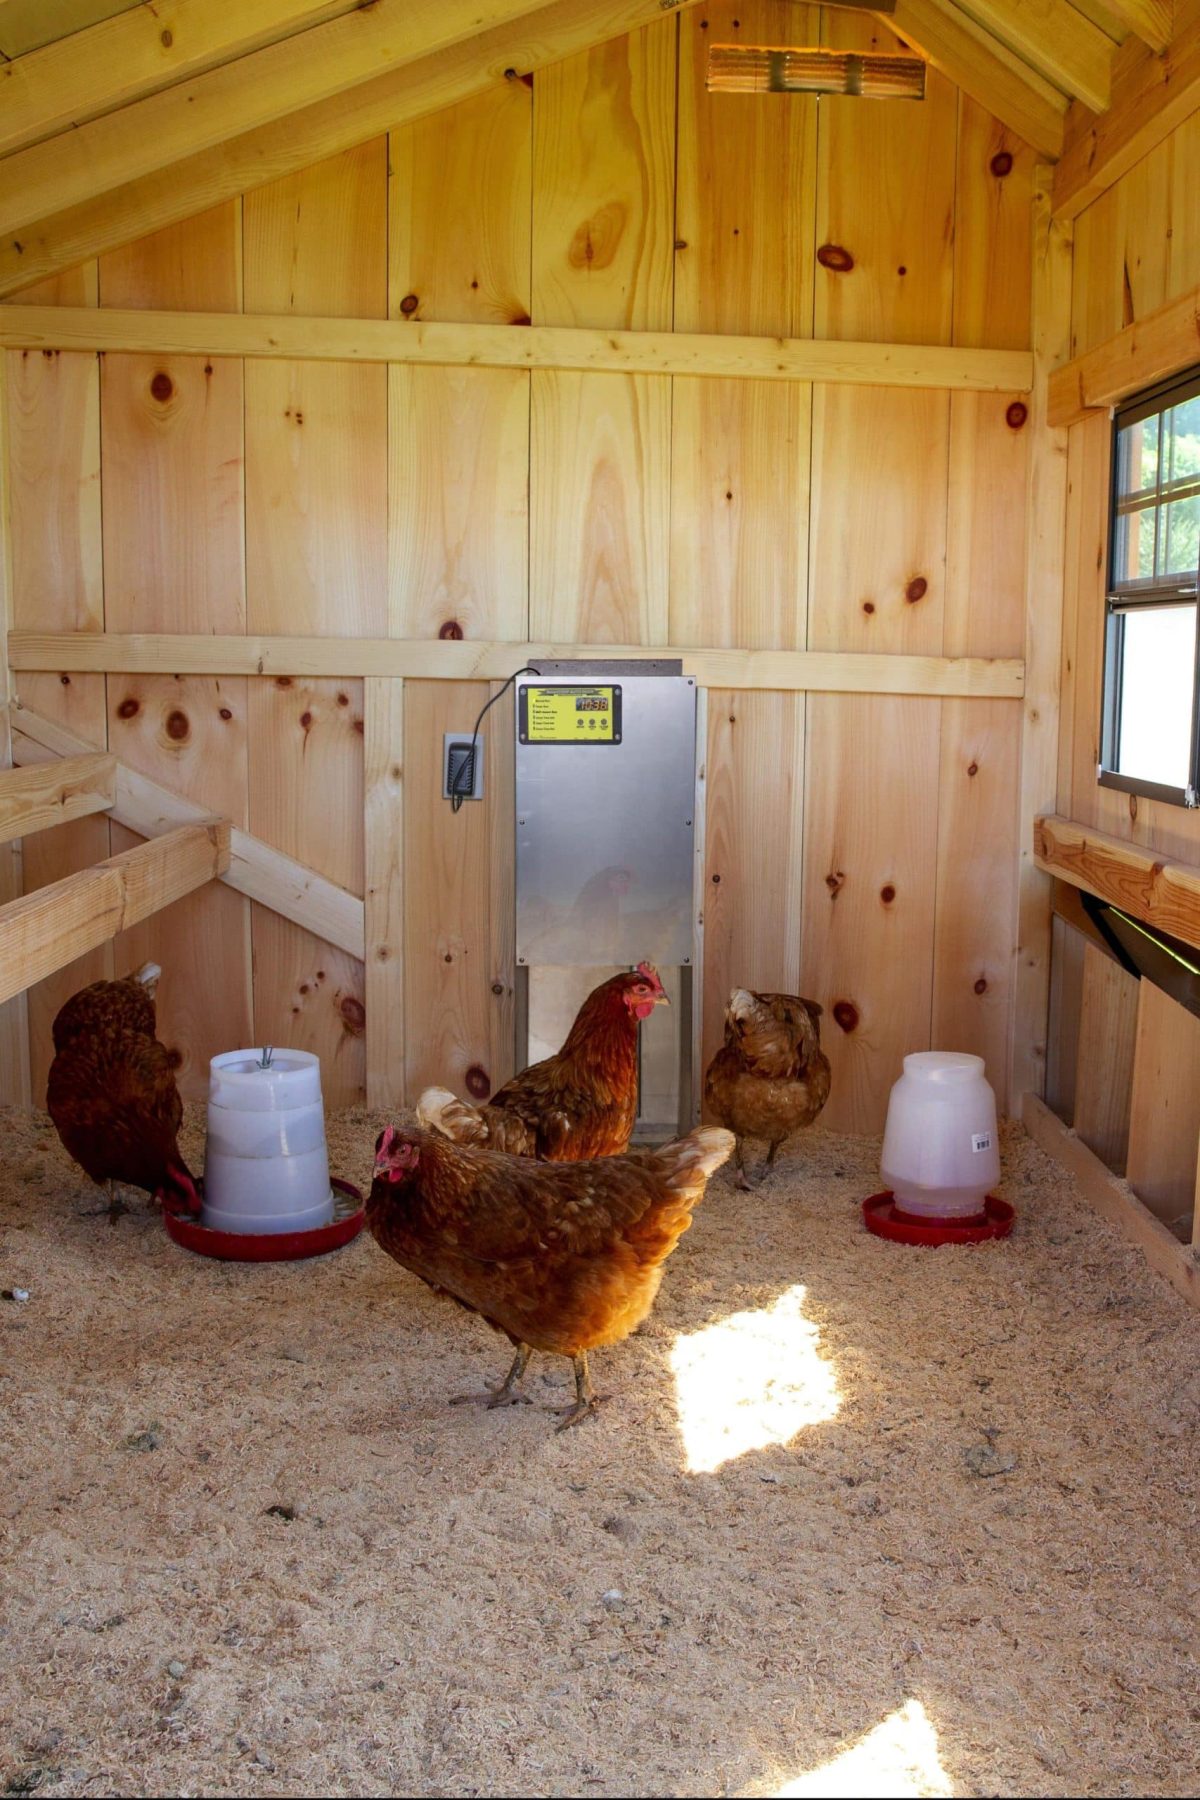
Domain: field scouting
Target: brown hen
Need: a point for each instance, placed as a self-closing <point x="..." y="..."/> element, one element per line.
<point x="770" y="1077"/>
<point x="558" y="1257"/>
<point x="579" y="1104"/>
<point x="112" y="1093"/>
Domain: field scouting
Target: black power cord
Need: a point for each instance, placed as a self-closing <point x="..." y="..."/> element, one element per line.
<point x="464" y="776"/>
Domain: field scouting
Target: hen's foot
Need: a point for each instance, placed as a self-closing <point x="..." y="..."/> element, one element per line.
<point x="587" y="1400"/>
<point x="112" y="1212"/>
<point x="501" y="1393"/>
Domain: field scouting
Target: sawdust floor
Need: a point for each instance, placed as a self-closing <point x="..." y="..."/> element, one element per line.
<point x="247" y="1548"/>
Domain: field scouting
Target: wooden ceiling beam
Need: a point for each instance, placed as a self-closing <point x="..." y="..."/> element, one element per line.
<point x="983" y="67"/>
<point x="69" y="235"/>
<point x="1151" y="96"/>
<point x="1149" y="20"/>
<point x="120" y="60"/>
<point x="1057" y="40"/>
<point x="253" y="90"/>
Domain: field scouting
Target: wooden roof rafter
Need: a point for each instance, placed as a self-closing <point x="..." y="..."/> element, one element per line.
<point x="984" y="68"/>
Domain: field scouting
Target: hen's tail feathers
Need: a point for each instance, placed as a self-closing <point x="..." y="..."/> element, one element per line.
<point x="440" y="1110"/>
<point x="689" y="1161"/>
<point x="149" y="975"/>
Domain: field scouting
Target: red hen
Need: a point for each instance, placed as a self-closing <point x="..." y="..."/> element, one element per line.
<point x="572" y="1107"/>
<point x="112" y="1093"/>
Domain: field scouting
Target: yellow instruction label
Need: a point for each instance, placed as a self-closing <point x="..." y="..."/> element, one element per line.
<point x="570" y="715"/>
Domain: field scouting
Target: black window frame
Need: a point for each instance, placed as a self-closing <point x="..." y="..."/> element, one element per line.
<point x="1125" y="597"/>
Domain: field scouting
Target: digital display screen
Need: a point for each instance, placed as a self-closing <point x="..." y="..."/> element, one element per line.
<point x="569" y="715"/>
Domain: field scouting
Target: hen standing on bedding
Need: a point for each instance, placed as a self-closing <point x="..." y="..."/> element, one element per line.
<point x="557" y="1257"/>
<point x="112" y="1093"/>
<point x="770" y="1077"/>
<point x="577" y="1105"/>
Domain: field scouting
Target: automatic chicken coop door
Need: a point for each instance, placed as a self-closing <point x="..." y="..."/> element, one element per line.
<point x="606" y="804"/>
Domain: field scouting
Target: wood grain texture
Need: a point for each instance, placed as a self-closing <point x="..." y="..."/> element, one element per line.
<point x="1065" y="1006"/>
<point x="1161" y="893"/>
<point x="1151" y="350"/>
<point x="992" y="240"/>
<point x="458" y="502"/>
<point x="48" y="930"/>
<point x="878" y="543"/>
<point x="33" y="800"/>
<point x="1164" y="1123"/>
<point x="743" y="247"/>
<point x="599" y="503"/>
<point x="1108" y="1017"/>
<point x="383" y="890"/>
<point x="870" y="864"/>
<point x="754" y="850"/>
<point x="985" y="69"/>
<point x="316" y="436"/>
<point x="459" y="211"/>
<point x="447" y="944"/>
<point x="885" y="197"/>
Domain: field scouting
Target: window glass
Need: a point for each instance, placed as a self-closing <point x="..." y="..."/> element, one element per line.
<point x="1157" y="673"/>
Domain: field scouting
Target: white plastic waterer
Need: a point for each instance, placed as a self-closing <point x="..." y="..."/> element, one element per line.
<point x="941" y="1150"/>
<point x="266" y="1168"/>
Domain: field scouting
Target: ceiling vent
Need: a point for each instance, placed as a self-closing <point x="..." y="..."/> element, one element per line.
<point x="756" y="69"/>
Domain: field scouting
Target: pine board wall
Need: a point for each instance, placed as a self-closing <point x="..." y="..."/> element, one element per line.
<point x="860" y="849"/>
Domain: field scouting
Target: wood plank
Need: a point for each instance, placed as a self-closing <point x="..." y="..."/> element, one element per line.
<point x="1152" y="95"/>
<point x="367" y="340"/>
<point x="250" y="91"/>
<point x="1066" y="1003"/>
<point x="831" y="671"/>
<point x="15" y="1075"/>
<point x="1164" y="1124"/>
<point x="42" y="932"/>
<point x="1163" y="343"/>
<point x="754" y="851"/>
<point x="383" y="892"/>
<point x="1045" y="525"/>
<point x="1058" y="41"/>
<point x="447" y="951"/>
<point x="743" y="249"/>
<point x="1112" y="1199"/>
<point x="36" y="799"/>
<point x="553" y="31"/>
<point x="1108" y="1018"/>
<point x="885" y="191"/>
<point x="870" y="863"/>
<point x="1150" y="20"/>
<point x="112" y="63"/>
<point x="992" y="240"/>
<point x="983" y="67"/>
<point x="1160" y="893"/>
<point x="255" y="869"/>
<point x="26" y="25"/>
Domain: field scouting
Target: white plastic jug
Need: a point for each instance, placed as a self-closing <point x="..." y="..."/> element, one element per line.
<point x="941" y="1150"/>
<point x="266" y="1168"/>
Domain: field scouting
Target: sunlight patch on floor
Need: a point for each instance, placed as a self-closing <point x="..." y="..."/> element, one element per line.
<point x="750" y="1381"/>
<point x="899" y="1758"/>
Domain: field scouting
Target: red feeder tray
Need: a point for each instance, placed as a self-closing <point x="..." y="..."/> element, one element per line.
<point x="275" y="1246"/>
<point x="882" y="1216"/>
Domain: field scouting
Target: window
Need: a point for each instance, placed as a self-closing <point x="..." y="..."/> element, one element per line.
<point x="1150" y="741"/>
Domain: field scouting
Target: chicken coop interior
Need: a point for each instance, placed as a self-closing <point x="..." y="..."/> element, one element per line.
<point x="701" y="496"/>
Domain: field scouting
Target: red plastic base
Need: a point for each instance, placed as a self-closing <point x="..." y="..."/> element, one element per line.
<point x="882" y="1216"/>
<point x="274" y="1246"/>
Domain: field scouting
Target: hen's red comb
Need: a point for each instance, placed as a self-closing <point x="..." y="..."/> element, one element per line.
<point x="650" y="973"/>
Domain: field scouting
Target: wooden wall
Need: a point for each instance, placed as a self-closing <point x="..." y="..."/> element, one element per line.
<point x="1129" y="1054"/>
<point x="860" y="848"/>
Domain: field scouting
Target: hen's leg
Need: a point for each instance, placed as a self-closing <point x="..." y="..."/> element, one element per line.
<point x="112" y="1212"/>
<point x="587" y="1400"/>
<point x="503" y="1394"/>
<point x="770" y="1162"/>
<point x="741" y="1180"/>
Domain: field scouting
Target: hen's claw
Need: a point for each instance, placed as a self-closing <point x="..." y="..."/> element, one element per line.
<point x="501" y="1393"/>
<point x="587" y="1400"/>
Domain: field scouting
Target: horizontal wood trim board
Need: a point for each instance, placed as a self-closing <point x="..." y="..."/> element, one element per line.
<point x="255" y="868"/>
<point x="1113" y="1199"/>
<point x="1161" y="893"/>
<point x="787" y="671"/>
<point x="1152" y="349"/>
<point x="35" y="799"/>
<point x="46" y="930"/>
<point x="513" y="347"/>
